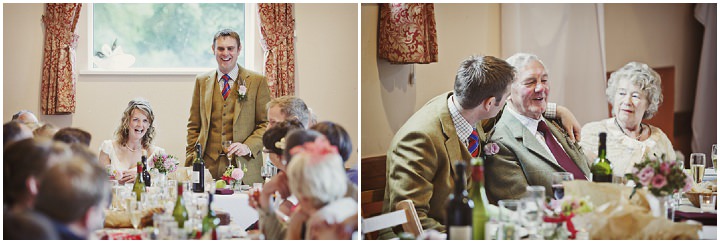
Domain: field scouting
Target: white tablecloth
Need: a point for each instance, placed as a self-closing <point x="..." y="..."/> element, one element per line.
<point x="241" y="214"/>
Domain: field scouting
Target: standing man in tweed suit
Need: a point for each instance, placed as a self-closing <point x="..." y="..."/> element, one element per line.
<point x="228" y="104"/>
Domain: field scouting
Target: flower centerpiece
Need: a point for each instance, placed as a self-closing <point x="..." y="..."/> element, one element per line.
<point x="164" y="163"/>
<point x="232" y="175"/>
<point x="561" y="213"/>
<point x="662" y="178"/>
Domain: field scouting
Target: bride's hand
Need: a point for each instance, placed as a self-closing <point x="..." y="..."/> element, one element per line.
<point x="128" y="176"/>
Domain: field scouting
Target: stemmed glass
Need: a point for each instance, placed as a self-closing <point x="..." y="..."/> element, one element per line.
<point x="713" y="156"/>
<point x="226" y="148"/>
<point x="557" y="183"/>
<point x="266" y="172"/>
<point x="534" y="203"/>
<point x="697" y="166"/>
<point x="135" y="209"/>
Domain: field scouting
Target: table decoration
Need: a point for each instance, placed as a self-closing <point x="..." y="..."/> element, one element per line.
<point x="662" y="178"/>
<point x="233" y="177"/>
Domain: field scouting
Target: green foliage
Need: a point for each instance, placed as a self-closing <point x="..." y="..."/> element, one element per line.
<point x="166" y="35"/>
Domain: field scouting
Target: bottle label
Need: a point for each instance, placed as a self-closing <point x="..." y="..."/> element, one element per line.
<point x="196" y="177"/>
<point x="460" y="232"/>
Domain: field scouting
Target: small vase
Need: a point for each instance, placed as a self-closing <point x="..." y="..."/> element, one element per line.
<point x="664" y="207"/>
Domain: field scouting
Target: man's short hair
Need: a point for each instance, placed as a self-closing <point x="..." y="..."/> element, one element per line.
<point x="71" y="188"/>
<point x="482" y="77"/>
<point x="337" y="136"/>
<point x="13" y="131"/>
<point x="226" y="33"/>
<point x="291" y="106"/>
<point x="23" y="159"/>
<point x="19" y="113"/>
<point x="520" y="60"/>
<point x="72" y="135"/>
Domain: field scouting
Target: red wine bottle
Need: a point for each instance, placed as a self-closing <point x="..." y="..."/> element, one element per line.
<point x="459" y="208"/>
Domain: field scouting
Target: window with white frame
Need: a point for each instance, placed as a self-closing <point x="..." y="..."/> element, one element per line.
<point x="160" y="35"/>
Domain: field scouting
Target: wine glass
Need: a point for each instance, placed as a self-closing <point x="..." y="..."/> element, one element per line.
<point x="266" y="172"/>
<point x="557" y="183"/>
<point x="135" y="210"/>
<point x="226" y="148"/>
<point x="713" y="156"/>
<point x="697" y="166"/>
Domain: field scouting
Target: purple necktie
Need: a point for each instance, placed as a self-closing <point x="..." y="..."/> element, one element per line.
<point x="226" y="86"/>
<point x="560" y="155"/>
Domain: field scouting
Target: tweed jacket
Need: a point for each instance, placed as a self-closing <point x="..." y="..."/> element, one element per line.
<point x="249" y="120"/>
<point x="523" y="161"/>
<point x="420" y="163"/>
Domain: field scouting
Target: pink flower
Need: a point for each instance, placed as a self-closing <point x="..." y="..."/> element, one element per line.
<point x="151" y="163"/>
<point x="241" y="91"/>
<point x="491" y="148"/>
<point x="658" y="181"/>
<point x="237" y="174"/>
<point x="688" y="183"/>
<point x="646" y="174"/>
<point x="664" y="168"/>
<point x="318" y="148"/>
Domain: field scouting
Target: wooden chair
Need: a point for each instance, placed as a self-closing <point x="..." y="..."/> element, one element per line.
<point x="405" y="216"/>
<point x="372" y="182"/>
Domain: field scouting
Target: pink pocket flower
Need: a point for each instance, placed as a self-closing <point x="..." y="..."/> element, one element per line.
<point x="491" y="149"/>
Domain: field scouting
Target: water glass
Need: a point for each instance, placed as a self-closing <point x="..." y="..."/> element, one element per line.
<point x="707" y="202"/>
<point x="534" y="201"/>
<point x="557" y="183"/>
<point x="697" y="166"/>
<point x="510" y="211"/>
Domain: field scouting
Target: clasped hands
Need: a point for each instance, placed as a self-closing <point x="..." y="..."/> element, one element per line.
<point x="239" y="149"/>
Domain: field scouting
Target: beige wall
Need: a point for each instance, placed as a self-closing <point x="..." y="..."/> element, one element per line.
<point x="101" y="98"/>
<point x="660" y="35"/>
<point x="388" y="99"/>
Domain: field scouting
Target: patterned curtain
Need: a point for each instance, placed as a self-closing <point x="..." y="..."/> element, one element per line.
<point x="407" y="33"/>
<point x="277" y="27"/>
<point x="58" y="74"/>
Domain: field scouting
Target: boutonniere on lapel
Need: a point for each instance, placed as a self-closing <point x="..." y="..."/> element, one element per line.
<point x="490" y="148"/>
<point x="241" y="91"/>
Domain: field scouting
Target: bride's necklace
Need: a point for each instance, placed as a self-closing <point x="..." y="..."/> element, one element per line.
<point x="131" y="150"/>
<point x="623" y="130"/>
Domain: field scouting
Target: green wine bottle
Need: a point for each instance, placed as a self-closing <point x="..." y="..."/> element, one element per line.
<point x="479" y="198"/>
<point x="602" y="169"/>
<point x="139" y="186"/>
<point x="211" y="221"/>
<point x="180" y="213"/>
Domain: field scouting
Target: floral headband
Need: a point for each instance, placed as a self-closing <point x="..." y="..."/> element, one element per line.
<point x="316" y="149"/>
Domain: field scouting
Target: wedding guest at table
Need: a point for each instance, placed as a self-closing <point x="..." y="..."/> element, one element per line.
<point x="24" y="164"/>
<point x="133" y="137"/>
<point x="635" y="93"/>
<point x="26" y="117"/>
<point x="531" y="146"/>
<point x="315" y="175"/>
<point x="46" y="131"/>
<point x="28" y="225"/>
<point x="66" y="197"/>
<point x="274" y="145"/>
<point x="228" y="103"/>
<point x="285" y="107"/>
<point x="72" y="135"/>
<point x="339" y="138"/>
<point x="15" y="131"/>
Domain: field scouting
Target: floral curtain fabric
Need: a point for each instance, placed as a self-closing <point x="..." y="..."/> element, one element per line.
<point x="277" y="27"/>
<point x="59" y="75"/>
<point x="407" y="33"/>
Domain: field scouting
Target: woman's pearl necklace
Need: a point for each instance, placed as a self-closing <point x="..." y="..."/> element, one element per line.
<point x="131" y="150"/>
<point x="623" y="130"/>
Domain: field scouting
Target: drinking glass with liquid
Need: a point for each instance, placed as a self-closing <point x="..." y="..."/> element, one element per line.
<point x="557" y="183"/>
<point x="697" y="166"/>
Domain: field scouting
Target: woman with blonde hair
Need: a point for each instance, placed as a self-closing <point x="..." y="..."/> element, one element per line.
<point x="133" y="138"/>
<point x="317" y="178"/>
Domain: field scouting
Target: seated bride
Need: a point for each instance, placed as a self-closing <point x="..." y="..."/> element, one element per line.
<point x="132" y="138"/>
